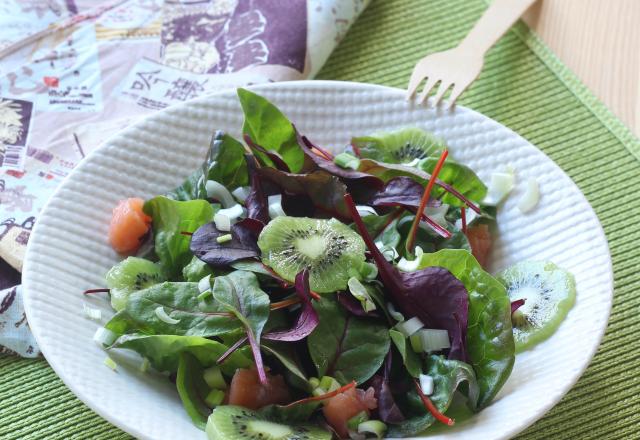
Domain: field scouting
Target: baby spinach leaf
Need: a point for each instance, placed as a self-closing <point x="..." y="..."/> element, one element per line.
<point x="344" y="346"/>
<point x="192" y="389"/>
<point x="460" y="176"/>
<point x="170" y="219"/>
<point x="121" y="323"/>
<point x="224" y="163"/>
<point x="489" y="341"/>
<point x="269" y="128"/>
<point x="409" y="357"/>
<point x="163" y="351"/>
<point x="179" y="301"/>
<point x="240" y="294"/>
<point x="447" y="376"/>
<point x="196" y="270"/>
<point x="287" y="357"/>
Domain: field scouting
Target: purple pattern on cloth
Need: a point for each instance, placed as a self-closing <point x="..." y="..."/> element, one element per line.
<point x="257" y="32"/>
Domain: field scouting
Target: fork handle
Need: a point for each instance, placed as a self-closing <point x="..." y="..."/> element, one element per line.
<point x="494" y="23"/>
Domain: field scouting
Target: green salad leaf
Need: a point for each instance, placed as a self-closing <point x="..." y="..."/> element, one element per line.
<point x="192" y="389"/>
<point x="170" y="219"/>
<point x="180" y="302"/>
<point x="410" y="358"/>
<point x="459" y="176"/>
<point x="344" y="346"/>
<point x="269" y="128"/>
<point x="224" y="163"/>
<point x="447" y="376"/>
<point x="196" y="270"/>
<point x="490" y="344"/>
<point x="286" y="355"/>
<point x="163" y="351"/>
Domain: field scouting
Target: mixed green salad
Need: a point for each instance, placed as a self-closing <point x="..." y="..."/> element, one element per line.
<point x="290" y="293"/>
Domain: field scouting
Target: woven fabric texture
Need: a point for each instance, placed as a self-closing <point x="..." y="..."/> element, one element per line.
<point x="524" y="87"/>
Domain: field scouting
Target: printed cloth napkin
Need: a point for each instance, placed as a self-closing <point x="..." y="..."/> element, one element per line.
<point x="72" y="73"/>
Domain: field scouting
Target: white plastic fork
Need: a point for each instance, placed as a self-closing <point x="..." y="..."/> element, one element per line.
<point x="460" y="66"/>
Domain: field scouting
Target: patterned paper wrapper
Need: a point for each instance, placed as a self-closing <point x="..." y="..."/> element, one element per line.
<point x="74" y="72"/>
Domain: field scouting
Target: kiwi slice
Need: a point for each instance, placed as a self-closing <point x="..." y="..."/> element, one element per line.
<point x="129" y="275"/>
<point x="402" y="146"/>
<point x="230" y="422"/>
<point x="328" y="248"/>
<point x="549" y="293"/>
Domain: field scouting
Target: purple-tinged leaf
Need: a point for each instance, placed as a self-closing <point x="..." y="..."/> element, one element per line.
<point x="256" y="203"/>
<point x="326" y="192"/>
<point x="388" y="410"/>
<point x="386" y="172"/>
<point x="307" y="320"/>
<point x="240" y="342"/>
<point x="361" y="185"/>
<point x="277" y="160"/>
<point x="243" y="244"/>
<point x="458" y="350"/>
<point x="432" y="294"/>
<point x="515" y="305"/>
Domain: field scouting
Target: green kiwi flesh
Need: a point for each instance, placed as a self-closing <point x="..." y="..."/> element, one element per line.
<point x="328" y="248"/>
<point x="129" y="275"/>
<point x="549" y="294"/>
<point x="402" y="146"/>
<point x="230" y="422"/>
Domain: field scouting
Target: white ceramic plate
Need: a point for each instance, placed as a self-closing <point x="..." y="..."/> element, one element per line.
<point x="68" y="251"/>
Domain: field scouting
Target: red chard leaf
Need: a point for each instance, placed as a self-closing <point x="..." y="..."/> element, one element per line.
<point x="243" y="243"/>
<point x="256" y="203"/>
<point x="277" y="160"/>
<point x="307" y="320"/>
<point x="432" y="294"/>
<point x="515" y="305"/>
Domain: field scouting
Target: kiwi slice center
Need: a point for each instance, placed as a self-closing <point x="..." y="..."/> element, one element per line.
<point x="312" y="247"/>
<point x="268" y="429"/>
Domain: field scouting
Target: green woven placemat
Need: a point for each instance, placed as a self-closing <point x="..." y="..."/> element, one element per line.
<point x="524" y="87"/>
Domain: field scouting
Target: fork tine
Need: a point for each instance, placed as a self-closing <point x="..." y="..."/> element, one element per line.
<point x="427" y="88"/>
<point x="416" y="78"/>
<point x="455" y="94"/>
<point x="444" y="86"/>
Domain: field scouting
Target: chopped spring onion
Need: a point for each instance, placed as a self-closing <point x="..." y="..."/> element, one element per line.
<point x="204" y="296"/>
<point x="437" y="213"/>
<point x="530" y="197"/>
<point x="355" y="421"/>
<point x="110" y="363"/>
<point x="224" y="218"/>
<point x="241" y="193"/>
<point x="214" y="398"/>
<point x="375" y="427"/>
<point x="144" y="366"/>
<point x="346" y="160"/>
<point x="365" y="210"/>
<point x="314" y="382"/>
<point x="204" y="284"/>
<point x="104" y="336"/>
<point x="329" y="384"/>
<point x="224" y="238"/>
<point x="411" y="265"/>
<point x="162" y="316"/>
<point x="275" y="206"/>
<point x="359" y="291"/>
<point x="500" y="186"/>
<point x="218" y="191"/>
<point x="407" y="328"/>
<point x="213" y="377"/>
<point x="434" y="340"/>
<point x="389" y="253"/>
<point x="394" y="313"/>
<point x="426" y="384"/>
<point x="92" y="313"/>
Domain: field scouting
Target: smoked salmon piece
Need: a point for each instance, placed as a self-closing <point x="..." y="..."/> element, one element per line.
<point x="342" y="407"/>
<point x="128" y="226"/>
<point x="246" y="390"/>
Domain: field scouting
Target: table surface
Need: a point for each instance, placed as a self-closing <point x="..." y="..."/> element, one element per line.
<point x="600" y="41"/>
